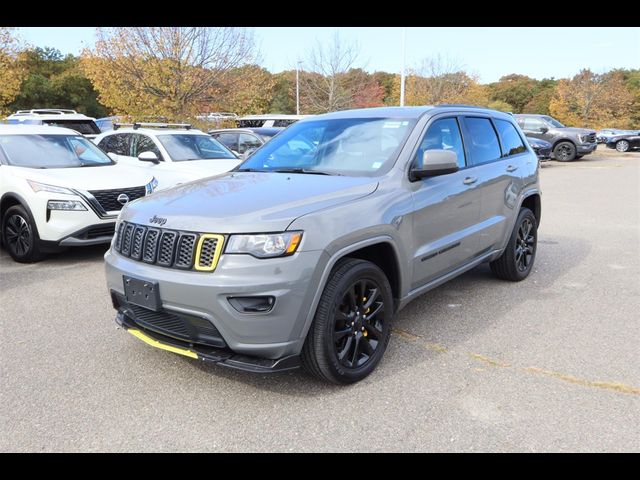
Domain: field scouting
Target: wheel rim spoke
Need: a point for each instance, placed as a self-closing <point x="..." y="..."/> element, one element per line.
<point x="358" y="325"/>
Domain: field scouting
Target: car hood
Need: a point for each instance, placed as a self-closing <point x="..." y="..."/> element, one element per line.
<point x="239" y="202"/>
<point x="583" y="131"/>
<point x="86" y="178"/>
<point x="204" y="168"/>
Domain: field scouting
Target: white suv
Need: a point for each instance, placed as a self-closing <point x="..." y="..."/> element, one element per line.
<point x="57" y="189"/>
<point x="56" y="117"/>
<point x="174" y="153"/>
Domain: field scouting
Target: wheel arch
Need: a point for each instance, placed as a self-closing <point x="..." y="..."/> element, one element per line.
<point x="11" y="199"/>
<point x="367" y="249"/>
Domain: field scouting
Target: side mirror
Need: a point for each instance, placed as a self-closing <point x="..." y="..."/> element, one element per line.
<point x="148" y="157"/>
<point x="543" y="129"/>
<point x="434" y="163"/>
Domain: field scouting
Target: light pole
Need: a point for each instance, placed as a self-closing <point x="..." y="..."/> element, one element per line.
<point x="404" y="38"/>
<point x="298" y="88"/>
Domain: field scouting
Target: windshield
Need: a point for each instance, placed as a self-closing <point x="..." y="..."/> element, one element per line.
<point x="51" y="151"/>
<point x="194" y="147"/>
<point x="85" y="127"/>
<point x="349" y="146"/>
<point x="554" y="122"/>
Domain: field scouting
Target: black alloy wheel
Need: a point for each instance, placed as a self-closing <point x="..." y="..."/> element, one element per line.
<point x="564" y="152"/>
<point x="359" y="322"/>
<point x="352" y="323"/>
<point x="19" y="236"/>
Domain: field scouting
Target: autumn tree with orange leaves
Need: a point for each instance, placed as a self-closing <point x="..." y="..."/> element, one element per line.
<point x="11" y="69"/>
<point x="593" y="100"/>
<point x="173" y="72"/>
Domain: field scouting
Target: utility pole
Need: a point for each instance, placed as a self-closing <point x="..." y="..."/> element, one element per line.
<point x="404" y="41"/>
<point x="298" y="88"/>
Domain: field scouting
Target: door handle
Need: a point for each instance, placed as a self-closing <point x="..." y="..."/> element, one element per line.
<point x="511" y="168"/>
<point x="469" y="180"/>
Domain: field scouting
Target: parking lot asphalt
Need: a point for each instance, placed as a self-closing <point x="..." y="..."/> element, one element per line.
<point x="548" y="364"/>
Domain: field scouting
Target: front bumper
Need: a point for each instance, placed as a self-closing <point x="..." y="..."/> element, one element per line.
<point x="586" y="148"/>
<point x="271" y="335"/>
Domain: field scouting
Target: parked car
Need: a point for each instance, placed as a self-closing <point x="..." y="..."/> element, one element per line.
<point x="624" y="143"/>
<point x="105" y="124"/>
<point x="56" y="117"/>
<point x="567" y="144"/>
<point x="304" y="253"/>
<point x="50" y="199"/>
<point x="603" y="136"/>
<point x="243" y="141"/>
<point x="173" y="153"/>
<point x="268" y="120"/>
<point x="542" y="148"/>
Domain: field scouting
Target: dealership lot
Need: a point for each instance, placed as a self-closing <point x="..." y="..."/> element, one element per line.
<point x="551" y="363"/>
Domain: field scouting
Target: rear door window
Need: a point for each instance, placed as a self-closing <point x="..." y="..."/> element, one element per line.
<point x="481" y="140"/>
<point x="512" y="144"/>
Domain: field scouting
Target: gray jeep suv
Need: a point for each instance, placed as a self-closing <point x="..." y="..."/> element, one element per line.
<point x="567" y="143"/>
<point x="303" y="254"/>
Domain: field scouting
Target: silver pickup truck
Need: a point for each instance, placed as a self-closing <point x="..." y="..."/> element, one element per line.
<point x="303" y="254"/>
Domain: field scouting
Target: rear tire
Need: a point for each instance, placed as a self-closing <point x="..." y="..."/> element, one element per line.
<point x="564" y="152"/>
<point x="516" y="262"/>
<point x="19" y="236"/>
<point x="352" y="325"/>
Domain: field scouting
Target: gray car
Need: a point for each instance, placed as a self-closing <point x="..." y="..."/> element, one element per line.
<point x="567" y="143"/>
<point x="304" y="253"/>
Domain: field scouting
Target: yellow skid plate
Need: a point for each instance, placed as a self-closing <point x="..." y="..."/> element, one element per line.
<point x="154" y="343"/>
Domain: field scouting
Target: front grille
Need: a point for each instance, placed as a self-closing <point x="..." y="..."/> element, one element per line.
<point x="169" y="248"/>
<point x="591" y="138"/>
<point x="108" y="199"/>
<point x="181" y="326"/>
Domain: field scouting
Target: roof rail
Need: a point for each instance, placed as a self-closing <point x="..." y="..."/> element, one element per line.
<point x="137" y="125"/>
<point x="461" y="105"/>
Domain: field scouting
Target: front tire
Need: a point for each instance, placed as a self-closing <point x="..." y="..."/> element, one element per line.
<point x="516" y="262"/>
<point x="352" y="325"/>
<point x="19" y="235"/>
<point x="564" y="152"/>
<point x="622" y="146"/>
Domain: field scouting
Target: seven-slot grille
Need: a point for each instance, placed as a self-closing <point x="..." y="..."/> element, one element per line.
<point x="108" y="199"/>
<point x="168" y="248"/>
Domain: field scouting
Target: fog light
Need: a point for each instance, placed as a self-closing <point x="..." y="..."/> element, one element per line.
<point x="252" y="304"/>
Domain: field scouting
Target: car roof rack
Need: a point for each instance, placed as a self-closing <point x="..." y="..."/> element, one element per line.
<point x="46" y="111"/>
<point x="137" y="125"/>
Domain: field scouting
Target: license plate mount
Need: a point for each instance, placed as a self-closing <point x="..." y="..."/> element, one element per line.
<point x="143" y="293"/>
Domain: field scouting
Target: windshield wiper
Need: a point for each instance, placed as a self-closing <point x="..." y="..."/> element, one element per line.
<point x="248" y="170"/>
<point x="302" y="170"/>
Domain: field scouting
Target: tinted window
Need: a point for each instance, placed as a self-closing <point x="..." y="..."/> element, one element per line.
<point x="194" y="147"/>
<point x="118" y="144"/>
<point x="248" y="142"/>
<point x="443" y="134"/>
<point x="229" y="140"/>
<point x="51" y="151"/>
<point x="85" y="127"/>
<point x="531" y="124"/>
<point x="481" y="140"/>
<point x="511" y="142"/>
<point x="143" y="144"/>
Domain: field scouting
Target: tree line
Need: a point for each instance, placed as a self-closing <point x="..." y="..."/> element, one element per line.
<point x="180" y="72"/>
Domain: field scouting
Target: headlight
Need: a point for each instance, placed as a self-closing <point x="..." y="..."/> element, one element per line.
<point x="65" y="205"/>
<point x="43" y="187"/>
<point x="151" y="186"/>
<point x="265" y="245"/>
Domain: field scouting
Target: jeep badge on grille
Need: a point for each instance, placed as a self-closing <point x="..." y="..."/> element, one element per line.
<point x="158" y="220"/>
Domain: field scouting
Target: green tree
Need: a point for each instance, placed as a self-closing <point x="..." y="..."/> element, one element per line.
<point x="284" y="93"/>
<point x="55" y="81"/>
<point x="515" y="90"/>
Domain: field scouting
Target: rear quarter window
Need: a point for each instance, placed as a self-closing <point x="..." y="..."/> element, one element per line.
<point x="512" y="143"/>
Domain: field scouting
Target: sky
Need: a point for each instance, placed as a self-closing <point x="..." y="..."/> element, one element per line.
<point x="489" y="52"/>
